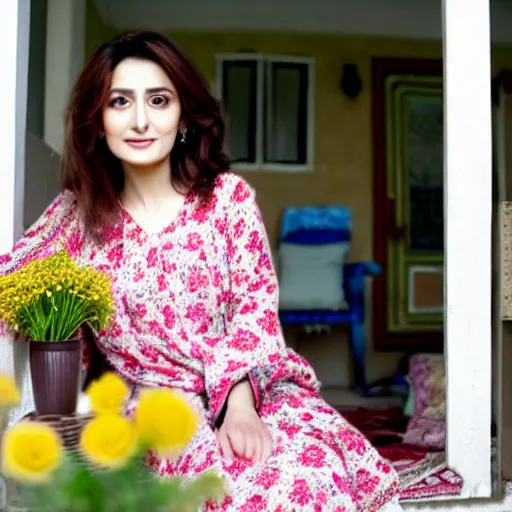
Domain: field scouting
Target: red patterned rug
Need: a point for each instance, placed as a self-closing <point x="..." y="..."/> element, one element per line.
<point x="423" y="473"/>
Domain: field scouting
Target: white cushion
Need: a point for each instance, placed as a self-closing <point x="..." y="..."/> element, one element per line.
<point x="311" y="276"/>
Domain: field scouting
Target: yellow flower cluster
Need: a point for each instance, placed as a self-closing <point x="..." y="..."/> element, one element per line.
<point x="31" y="452"/>
<point x="9" y="393"/>
<point x="108" y="395"/>
<point x="9" y="397"/>
<point x="109" y="440"/>
<point x="55" y="284"/>
<point x="163" y="421"/>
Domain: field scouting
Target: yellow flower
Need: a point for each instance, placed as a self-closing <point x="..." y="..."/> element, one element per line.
<point x="9" y="393"/>
<point x="31" y="452"/>
<point x="109" y="441"/>
<point x="108" y="394"/>
<point x="51" y="282"/>
<point x="164" y="421"/>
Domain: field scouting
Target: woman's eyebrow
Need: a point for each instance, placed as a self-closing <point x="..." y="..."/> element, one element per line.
<point x="155" y="90"/>
<point x="120" y="90"/>
<point x="151" y="90"/>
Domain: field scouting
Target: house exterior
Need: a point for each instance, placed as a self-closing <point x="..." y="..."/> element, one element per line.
<point x="332" y="32"/>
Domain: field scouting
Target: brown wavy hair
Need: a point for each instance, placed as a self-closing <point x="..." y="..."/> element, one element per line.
<point x="93" y="173"/>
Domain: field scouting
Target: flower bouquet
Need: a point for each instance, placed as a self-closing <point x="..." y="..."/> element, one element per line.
<point x="107" y="472"/>
<point x="48" y="301"/>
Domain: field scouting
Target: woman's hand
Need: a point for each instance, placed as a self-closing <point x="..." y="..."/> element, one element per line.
<point x="242" y="432"/>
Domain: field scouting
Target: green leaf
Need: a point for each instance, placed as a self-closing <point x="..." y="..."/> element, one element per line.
<point x="76" y="487"/>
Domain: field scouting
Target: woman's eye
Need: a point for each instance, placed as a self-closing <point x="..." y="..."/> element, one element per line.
<point x="159" y="101"/>
<point x="118" y="102"/>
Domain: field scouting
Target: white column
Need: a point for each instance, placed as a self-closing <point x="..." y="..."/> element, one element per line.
<point x="14" y="41"/>
<point x="468" y="205"/>
<point x="65" y="53"/>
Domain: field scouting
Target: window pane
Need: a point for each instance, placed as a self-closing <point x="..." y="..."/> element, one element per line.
<point x="36" y="67"/>
<point x="287" y="113"/>
<point x="239" y="98"/>
<point x="425" y="141"/>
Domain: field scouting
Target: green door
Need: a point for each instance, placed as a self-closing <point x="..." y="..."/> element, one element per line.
<point x="412" y="231"/>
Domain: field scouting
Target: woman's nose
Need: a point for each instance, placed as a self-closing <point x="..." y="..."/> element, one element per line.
<point x="141" y="122"/>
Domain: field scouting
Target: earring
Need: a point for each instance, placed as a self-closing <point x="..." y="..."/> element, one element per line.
<point x="183" y="139"/>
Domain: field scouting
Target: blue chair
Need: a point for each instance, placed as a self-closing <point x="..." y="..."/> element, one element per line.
<point x="326" y="225"/>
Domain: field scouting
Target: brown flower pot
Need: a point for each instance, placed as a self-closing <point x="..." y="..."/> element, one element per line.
<point x="56" y="371"/>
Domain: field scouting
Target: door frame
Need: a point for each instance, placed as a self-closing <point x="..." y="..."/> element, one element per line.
<point x="383" y="210"/>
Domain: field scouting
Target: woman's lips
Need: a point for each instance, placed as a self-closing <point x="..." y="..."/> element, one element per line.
<point x="139" y="143"/>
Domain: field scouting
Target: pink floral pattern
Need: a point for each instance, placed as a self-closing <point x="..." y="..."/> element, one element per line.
<point x="427" y="427"/>
<point x="197" y="310"/>
<point x="427" y="376"/>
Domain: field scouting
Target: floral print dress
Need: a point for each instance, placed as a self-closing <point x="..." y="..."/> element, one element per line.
<point x="197" y="310"/>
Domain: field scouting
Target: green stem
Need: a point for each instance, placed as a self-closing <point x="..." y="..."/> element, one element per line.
<point x="57" y="317"/>
<point x="65" y="310"/>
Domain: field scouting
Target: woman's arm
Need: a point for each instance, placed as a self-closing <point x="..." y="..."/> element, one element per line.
<point x="241" y="397"/>
<point x="55" y="229"/>
<point x="251" y="356"/>
<point x="253" y="348"/>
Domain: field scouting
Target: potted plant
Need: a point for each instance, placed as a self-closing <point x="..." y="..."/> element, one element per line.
<point x="106" y="472"/>
<point x="47" y="301"/>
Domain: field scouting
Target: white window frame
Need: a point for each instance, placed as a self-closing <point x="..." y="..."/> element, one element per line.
<point x="261" y="59"/>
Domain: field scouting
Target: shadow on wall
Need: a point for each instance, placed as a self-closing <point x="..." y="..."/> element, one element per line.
<point x="42" y="178"/>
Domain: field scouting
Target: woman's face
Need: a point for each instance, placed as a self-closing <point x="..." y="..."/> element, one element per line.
<point x="142" y="117"/>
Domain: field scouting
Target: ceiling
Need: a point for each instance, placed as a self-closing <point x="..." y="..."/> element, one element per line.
<point x="394" y="18"/>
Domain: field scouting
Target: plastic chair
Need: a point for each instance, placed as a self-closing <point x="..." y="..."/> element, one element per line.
<point x="320" y="226"/>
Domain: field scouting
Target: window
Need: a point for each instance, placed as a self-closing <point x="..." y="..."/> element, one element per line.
<point x="37" y="68"/>
<point x="268" y="102"/>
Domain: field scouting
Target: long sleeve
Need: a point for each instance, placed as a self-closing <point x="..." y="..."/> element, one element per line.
<point x="253" y="346"/>
<point x="57" y="228"/>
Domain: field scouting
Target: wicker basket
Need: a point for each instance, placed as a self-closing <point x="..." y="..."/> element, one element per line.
<point x="69" y="427"/>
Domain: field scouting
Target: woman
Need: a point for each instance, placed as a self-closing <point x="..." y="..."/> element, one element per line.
<point x="149" y="199"/>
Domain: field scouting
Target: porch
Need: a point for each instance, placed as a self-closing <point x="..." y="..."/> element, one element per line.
<point x="333" y="33"/>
